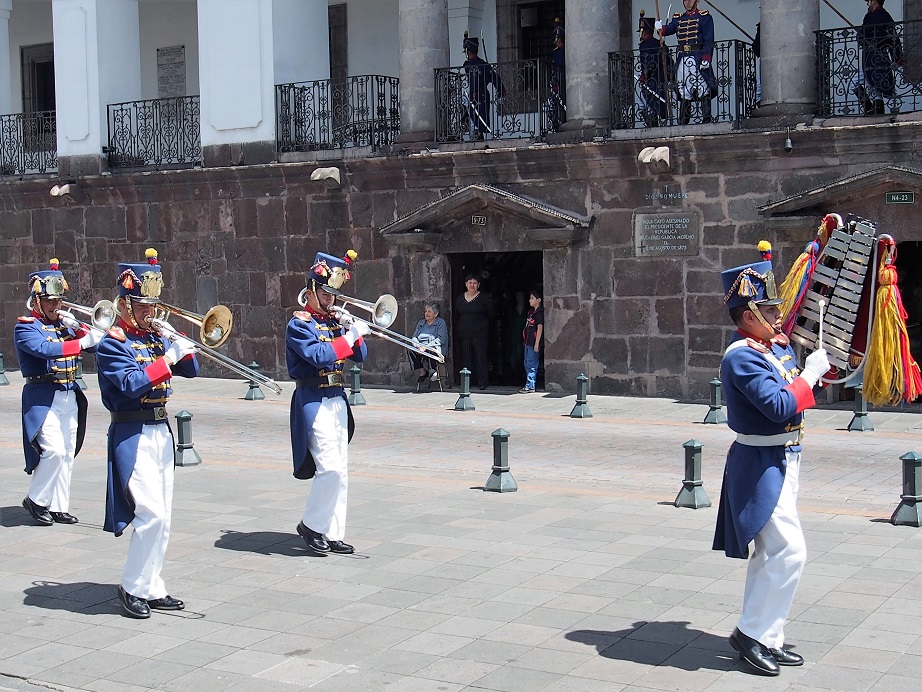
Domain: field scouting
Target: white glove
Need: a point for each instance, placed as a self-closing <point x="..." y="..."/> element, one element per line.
<point x="179" y="349"/>
<point x="705" y="64"/>
<point x="816" y="365"/>
<point x="356" y="332"/>
<point x="658" y="25"/>
<point x="91" y="338"/>
<point x="167" y="330"/>
<point x="68" y="319"/>
<point x="345" y="318"/>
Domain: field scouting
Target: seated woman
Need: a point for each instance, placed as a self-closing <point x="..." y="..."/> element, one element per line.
<point x="430" y="331"/>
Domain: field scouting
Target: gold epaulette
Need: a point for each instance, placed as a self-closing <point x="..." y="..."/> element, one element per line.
<point x="677" y="15"/>
<point x="303" y="315"/>
<point x="758" y="346"/>
<point x="703" y="12"/>
<point x="117" y="333"/>
<point x="27" y="319"/>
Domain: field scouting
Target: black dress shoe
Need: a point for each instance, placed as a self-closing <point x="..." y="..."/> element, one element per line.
<point x="41" y="514"/>
<point x="783" y="657"/>
<point x="63" y="518"/>
<point x="133" y="606"/>
<point x="340" y="547"/>
<point x="166" y="603"/>
<point x="315" y="541"/>
<point x="754" y="653"/>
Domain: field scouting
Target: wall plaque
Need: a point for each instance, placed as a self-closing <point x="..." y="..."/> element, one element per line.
<point x="667" y="233"/>
<point x="171" y="72"/>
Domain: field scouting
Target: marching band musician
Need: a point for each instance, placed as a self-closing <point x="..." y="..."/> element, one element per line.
<point x="134" y="364"/>
<point x="48" y="341"/>
<point x="766" y="395"/>
<point x="316" y="346"/>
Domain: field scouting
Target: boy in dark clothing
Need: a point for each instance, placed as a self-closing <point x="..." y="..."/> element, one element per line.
<point x="534" y="331"/>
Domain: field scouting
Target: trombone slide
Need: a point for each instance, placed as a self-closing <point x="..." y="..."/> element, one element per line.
<point x="394" y="337"/>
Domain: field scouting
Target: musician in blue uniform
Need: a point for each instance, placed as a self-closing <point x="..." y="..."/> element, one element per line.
<point x="317" y="344"/>
<point x="766" y="394"/>
<point x="48" y="341"/>
<point x="694" y="77"/>
<point x="135" y="363"/>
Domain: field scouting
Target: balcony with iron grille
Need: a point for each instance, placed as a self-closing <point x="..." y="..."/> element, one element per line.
<point x="869" y="70"/>
<point x="525" y="99"/>
<point x="28" y="143"/>
<point x="666" y="87"/>
<point x="327" y="114"/>
<point x="155" y="134"/>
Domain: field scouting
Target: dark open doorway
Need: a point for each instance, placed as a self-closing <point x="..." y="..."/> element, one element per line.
<point x="908" y="261"/>
<point x="507" y="277"/>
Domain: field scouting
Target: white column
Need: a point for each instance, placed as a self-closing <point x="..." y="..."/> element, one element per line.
<point x="423" y="46"/>
<point x="592" y="29"/>
<point x="788" y="62"/>
<point x="301" y="41"/>
<point x="91" y="70"/>
<point x="6" y="79"/>
<point x="236" y="74"/>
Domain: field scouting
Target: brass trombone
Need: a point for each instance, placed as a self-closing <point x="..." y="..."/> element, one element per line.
<point x="162" y="327"/>
<point x="102" y="315"/>
<point x="214" y="326"/>
<point x="383" y="312"/>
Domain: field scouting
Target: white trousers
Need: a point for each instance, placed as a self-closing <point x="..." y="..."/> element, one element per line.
<point x="775" y="566"/>
<point x="151" y="489"/>
<point x="689" y="80"/>
<point x="328" y="443"/>
<point x="50" y="482"/>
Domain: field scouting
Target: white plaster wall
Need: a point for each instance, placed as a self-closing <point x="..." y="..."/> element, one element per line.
<point x="373" y="31"/>
<point x="30" y="24"/>
<point x="301" y="40"/>
<point x="167" y="23"/>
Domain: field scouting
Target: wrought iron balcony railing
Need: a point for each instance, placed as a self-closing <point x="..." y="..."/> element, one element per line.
<point x="869" y="70"/>
<point x="359" y="111"/>
<point x="660" y="89"/>
<point x="508" y="100"/>
<point x="157" y="133"/>
<point x="28" y="143"/>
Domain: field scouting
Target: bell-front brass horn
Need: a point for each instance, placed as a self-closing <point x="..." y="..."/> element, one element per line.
<point x="214" y="326"/>
<point x="102" y="315"/>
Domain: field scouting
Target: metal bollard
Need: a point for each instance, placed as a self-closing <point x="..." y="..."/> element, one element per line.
<point x="355" y="396"/>
<point x="78" y="377"/>
<point x="692" y="494"/>
<point x="501" y="480"/>
<point x="254" y="393"/>
<point x="581" y="410"/>
<point x="715" y="414"/>
<point x="860" y="421"/>
<point x="185" y="455"/>
<point x="909" y="511"/>
<point x="464" y="402"/>
<point x="3" y="378"/>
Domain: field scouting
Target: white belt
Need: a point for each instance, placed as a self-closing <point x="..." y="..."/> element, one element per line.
<point x="785" y="439"/>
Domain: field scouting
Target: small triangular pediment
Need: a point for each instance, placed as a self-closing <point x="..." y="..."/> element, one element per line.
<point x="485" y="217"/>
<point x="844" y="193"/>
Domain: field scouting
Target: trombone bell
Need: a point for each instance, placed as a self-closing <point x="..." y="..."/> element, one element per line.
<point x="102" y="315"/>
<point x="214" y="326"/>
<point x="383" y="310"/>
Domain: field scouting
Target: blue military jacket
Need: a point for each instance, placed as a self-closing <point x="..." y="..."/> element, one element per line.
<point x="695" y="33"/>
<point x="315" y="352"/>
<point x="46" y="348"/>
<point x="764" y="398"/>
<point x="133" y="375"/>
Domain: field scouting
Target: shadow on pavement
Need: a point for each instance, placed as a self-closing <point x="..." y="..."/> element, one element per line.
<point x="661" y="644"/>
<point x="265" y="543"/>
<point x="75" y="597"/>
<point x="15" y="516"/>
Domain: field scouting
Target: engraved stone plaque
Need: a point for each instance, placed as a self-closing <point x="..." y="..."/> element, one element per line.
<point x="659" y="233"/>
<point x="171" y="71"/>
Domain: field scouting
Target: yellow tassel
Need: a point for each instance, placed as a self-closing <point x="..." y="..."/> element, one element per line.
<point x="791" y="284"/>
<point x="883" y="372"/>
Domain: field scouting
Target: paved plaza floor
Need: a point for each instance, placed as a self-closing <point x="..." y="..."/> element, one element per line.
<point x="587" y="578"/>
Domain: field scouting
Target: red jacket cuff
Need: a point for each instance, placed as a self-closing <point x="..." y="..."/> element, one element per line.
<point x="803" y="394"/>
<point x="341" y="347"/>
<point x="70" y="348"/>
<point x="158" y="371"/>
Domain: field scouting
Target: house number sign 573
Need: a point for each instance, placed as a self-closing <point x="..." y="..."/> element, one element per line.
<point x="479" y="220"/>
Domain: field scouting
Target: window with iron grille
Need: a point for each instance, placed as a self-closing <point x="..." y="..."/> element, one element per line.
<point x="536" y="28"/>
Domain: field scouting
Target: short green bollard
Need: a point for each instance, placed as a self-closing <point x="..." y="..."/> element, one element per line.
<point x="909" y="511"/>
<point x="185" y="454"/>
<point x="581" y="409"/>
<point x="501" y="480"/>
<point x="254" y="393"/>
<point x="355" y="396"/>
<point x="715" y="413"/>
<point x="860" y="421"/>
<point x="692" y="494"/>
<point x="464" y="402"/>
<point x="3" y="377"/>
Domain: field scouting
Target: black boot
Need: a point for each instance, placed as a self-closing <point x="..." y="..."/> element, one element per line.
<point x="705" y="110"/>
<point x="684" y="111"/>
<point x="879" y="107"/>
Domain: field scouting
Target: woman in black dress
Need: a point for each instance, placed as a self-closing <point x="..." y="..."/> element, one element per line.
<point x="474" y="310"/>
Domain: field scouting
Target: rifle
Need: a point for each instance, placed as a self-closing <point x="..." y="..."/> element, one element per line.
<point x="738" y="27"/>
<point x="841" y="16"/>
<point x="663" y="63"/>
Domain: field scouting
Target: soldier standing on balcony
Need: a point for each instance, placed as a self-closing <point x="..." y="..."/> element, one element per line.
<point x="695" y="80"/>
<point x="480" y="74"/>
<point x="883" y="52"/>
<point x="655" y="64"/>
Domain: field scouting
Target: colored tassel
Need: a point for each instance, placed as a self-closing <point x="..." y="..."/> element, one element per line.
<point x="795" y="285"/>
<point x="891" y="375"/>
